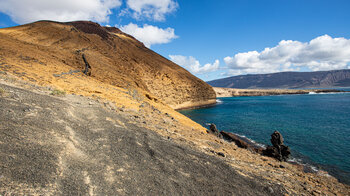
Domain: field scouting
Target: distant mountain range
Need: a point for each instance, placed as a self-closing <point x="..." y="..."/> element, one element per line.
<point x="319" y="79"/>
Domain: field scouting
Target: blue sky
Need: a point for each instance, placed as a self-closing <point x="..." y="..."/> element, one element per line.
<point x="216" y="39"/>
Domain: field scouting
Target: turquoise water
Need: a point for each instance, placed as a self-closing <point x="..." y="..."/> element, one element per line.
<point x="316" y="127"/>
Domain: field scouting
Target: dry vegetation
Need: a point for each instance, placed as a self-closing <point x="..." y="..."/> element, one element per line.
<point x="57" y="92"/>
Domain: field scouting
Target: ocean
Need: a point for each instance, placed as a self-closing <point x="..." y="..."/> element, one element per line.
<point x="315" y="126"/>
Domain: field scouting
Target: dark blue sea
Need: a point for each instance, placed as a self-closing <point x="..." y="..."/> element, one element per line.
<point x="315" y="126"/>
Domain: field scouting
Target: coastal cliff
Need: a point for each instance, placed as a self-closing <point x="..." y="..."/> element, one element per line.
<point x="113" y="57"/>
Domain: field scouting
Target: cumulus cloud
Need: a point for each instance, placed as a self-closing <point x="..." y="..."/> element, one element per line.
<point x="25" y="11"/>
<point x="149" y="34"/>
<point x="321" y="53"/>
<point x="192" y="64"/>
<point x="151" y="9"/>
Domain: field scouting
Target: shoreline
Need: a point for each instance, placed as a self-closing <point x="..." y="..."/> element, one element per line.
<point x="301" y="160"/>
<point x="232" y="92"/>
<point x="306" y="166"/>
<point x="180" y="130"/>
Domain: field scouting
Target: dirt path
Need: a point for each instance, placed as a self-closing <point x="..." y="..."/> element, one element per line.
<point x="75" y="146"/>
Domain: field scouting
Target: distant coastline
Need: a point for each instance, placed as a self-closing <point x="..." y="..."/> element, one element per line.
<point x="234" y="92"/>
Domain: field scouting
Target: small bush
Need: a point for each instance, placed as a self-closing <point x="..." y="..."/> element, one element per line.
<point x="57" y="93"/>
<point x="2" y="91"/>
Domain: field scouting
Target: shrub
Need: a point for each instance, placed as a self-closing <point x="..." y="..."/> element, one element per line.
<point x="57" y="92"/>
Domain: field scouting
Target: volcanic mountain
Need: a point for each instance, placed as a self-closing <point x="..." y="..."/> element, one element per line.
<point x="105" y="54"/>
<point x="319" y="79"/>
<point x="84" y="110"/>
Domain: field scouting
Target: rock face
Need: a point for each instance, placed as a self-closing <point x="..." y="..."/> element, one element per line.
<point x="213" y="130"/>
<point x="278" y="150"/>
<point x="323" y="79"/>
<point x="106" y="54"/>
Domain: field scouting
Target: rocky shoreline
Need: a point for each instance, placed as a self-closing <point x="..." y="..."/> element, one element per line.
<point x="59" y="144"/>
<point x="186" y="134"/>
<point x="247" y="143"/>
<point x="232" y="92"/>
<point x="115" y="131"/>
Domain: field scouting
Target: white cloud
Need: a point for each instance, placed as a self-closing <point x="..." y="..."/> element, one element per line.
<point x="152" y="9"/>
<point x="321" y="53"/>
<point x="149" y="34"/>
<point x="25" y="11"/>
<point x="192" y="64"/>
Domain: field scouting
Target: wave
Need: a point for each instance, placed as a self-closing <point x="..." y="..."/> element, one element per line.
<point x="330" y="93"/>
<point x="333" y="93"/>
<point x="307" y="167"/>
<point x="251" y="140"/>
<point x="218" y="101"/>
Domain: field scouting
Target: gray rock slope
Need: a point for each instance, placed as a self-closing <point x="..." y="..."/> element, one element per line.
<point x="73" y="146"/>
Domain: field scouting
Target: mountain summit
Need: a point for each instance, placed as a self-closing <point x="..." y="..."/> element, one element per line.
<point x="103" y="53"/>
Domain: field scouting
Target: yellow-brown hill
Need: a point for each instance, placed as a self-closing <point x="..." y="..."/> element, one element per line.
<point x="115" y="58"/>
<point x="131" y="81"/>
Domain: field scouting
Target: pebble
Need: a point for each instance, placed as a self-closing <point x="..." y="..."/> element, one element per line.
<point x="221" y="154"/>
<point x="270" y="190"/>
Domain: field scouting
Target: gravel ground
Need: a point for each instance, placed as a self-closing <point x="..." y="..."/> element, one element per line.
<point x="72" y="145"/>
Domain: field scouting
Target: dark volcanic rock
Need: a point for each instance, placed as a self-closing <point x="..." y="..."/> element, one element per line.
<point x="276" y="139"/>
<point x="278" y="150"/>
<point x="241" y="142"/>
<point x="90" y="28"/>
<point x="87" y="70"/>
<point x="213" y="130"/>
<point x="234" y="138"/>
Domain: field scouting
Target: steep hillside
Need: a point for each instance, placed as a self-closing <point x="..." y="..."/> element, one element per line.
<point x="72" y="145"/>
<point x="110" y="130"/>
<point x="111" y="56"/>
<point x="320" y="79"/>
